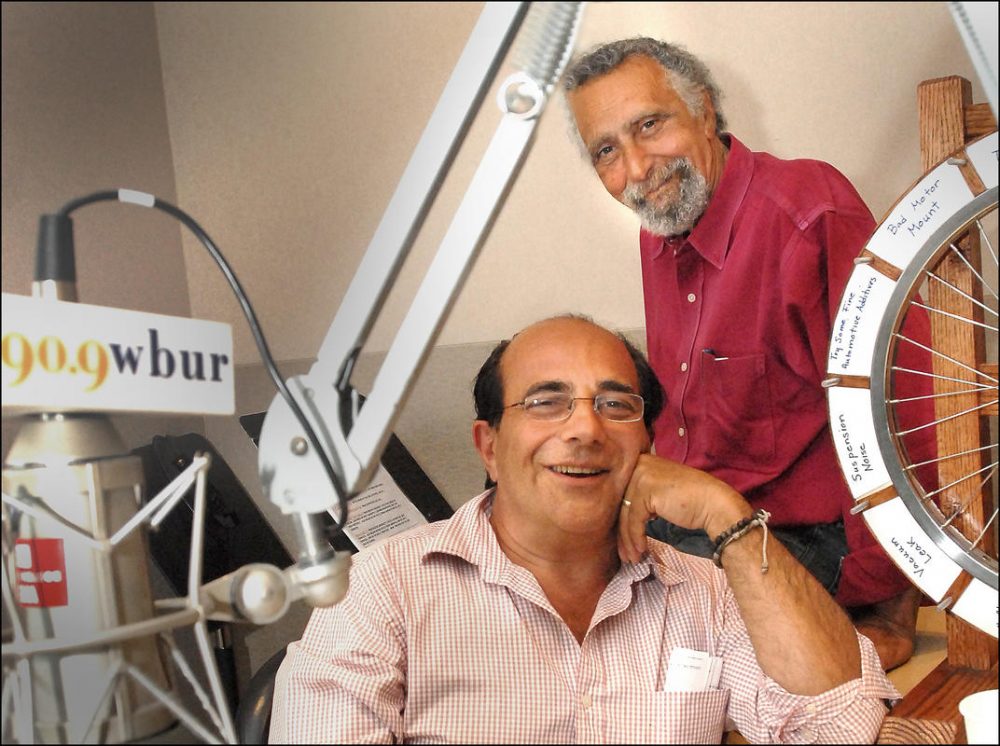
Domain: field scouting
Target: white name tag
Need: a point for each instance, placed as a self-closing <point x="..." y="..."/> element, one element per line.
<point x="692" y="671"/>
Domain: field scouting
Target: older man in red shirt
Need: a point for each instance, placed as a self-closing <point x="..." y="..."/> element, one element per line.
<point x="744" y="259"/>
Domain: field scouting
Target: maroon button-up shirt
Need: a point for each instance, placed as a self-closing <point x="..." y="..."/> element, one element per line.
<point x="738" y="321"/>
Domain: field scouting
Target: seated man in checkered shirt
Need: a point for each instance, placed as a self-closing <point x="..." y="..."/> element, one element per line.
<point x="541" y="613"/>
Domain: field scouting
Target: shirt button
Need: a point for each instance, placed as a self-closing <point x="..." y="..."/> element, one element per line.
<point x="684" y="367"/>
<point x="680" y="431"/>
<point x="692" y="297"/>
<point x="585" y="701"/>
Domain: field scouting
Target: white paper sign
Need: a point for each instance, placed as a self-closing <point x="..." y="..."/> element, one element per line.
<point x="978" y="606"/>
<point x="855" y="441"/>
<point x="380" y="511"/>
<point x="911" y="549"/>
<point x="60" y="356"/>
<point x="937" y="197"/>
<point x="983" y="155"/>
<point x="862" y="307"/>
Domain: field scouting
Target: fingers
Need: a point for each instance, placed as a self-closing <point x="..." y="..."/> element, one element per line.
<point x="632" y="527"/>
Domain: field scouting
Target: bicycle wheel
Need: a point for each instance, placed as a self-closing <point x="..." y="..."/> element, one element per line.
<point x="935" y="517"/>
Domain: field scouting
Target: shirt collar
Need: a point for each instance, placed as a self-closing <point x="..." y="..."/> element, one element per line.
<point x="469" y="535"/>
<point x="711" y="235"/>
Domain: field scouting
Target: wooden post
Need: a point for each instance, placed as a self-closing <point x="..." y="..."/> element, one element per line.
<point x="942" y="104"/>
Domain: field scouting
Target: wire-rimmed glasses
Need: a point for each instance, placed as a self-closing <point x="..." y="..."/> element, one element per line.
<point x="555" y="406"/>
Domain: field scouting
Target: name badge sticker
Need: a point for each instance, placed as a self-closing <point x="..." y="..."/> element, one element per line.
<point x="692" y="671"/>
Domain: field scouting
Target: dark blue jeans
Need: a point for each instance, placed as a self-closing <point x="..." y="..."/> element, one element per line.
<point x="820" y="547"/>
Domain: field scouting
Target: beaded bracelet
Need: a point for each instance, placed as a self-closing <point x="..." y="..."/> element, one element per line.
<point x="740" y="529"/>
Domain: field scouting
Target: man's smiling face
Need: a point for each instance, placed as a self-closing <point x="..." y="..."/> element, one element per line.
<point x="651" y="152"/>
<point x="567" y="476"/>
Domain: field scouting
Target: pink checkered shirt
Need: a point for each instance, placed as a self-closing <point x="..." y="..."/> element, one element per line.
<point x="442" y="639"/>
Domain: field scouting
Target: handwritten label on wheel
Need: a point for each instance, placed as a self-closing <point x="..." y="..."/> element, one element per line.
<point x="855" y="441"/>
<point x="983" y="155"/>
<point x="911" y="549"/>
<point x="856" y="326"/>
<point x="978" y="606"/>
<point x="923" y="210"/>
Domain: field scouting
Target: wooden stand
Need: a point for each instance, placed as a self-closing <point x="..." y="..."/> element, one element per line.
<point x="929" y="713"/>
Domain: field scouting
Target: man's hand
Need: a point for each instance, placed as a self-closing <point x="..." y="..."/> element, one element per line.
<point x="802" y="639"/>
<point x="892" y="626"/>
<point x="684" y="496"/>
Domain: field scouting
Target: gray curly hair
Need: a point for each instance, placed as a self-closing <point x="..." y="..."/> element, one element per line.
<point x="687" y="74"/>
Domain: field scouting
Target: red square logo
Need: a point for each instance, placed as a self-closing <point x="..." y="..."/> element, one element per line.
<point x="40" y="570"/>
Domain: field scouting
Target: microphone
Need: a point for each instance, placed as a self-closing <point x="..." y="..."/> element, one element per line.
<point x="72" y="589"/>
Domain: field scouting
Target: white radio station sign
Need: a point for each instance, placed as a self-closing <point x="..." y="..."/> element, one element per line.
<point x="65" y="357"/>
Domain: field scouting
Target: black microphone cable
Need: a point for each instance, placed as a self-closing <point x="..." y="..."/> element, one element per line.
<point x="56" y="261"/>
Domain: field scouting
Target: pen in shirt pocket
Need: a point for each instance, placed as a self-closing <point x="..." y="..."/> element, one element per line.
<point x="710" y="351"/>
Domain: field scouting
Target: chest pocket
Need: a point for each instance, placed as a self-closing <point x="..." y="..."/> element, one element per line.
<point x="686" y="717"/>
<point x="738" y="410"/>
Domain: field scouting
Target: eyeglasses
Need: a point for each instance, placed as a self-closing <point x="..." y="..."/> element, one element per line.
<point x="616" y="406"/>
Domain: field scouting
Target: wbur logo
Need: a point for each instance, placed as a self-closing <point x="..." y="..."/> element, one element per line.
<point x="163" y="361"/>
<point x="71" y="357"/>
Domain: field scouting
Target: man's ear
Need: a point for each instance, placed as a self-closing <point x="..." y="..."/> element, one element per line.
<point x="648" y="447"/>
<point x="484" y="438"/>
<point x="708" y="114"/>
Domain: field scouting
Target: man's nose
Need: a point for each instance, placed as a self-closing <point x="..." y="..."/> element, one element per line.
<point x="637" y="164"/>
<point x="584" y="423"/>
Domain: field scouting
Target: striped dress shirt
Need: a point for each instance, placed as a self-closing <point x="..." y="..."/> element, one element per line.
<point x="442" y="639"/>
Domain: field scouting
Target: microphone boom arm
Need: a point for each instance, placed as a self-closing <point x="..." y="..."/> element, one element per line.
<point x="354" y="436"/>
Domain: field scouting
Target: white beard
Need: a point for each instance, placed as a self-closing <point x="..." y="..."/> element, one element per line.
<point x="681" y="214"/>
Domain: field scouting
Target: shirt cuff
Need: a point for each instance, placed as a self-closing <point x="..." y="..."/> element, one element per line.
<point x="851" y="712"/>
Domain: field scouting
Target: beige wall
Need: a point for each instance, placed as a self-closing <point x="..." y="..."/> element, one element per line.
<point x="291" y="124"/>
<point x="283" y="128"/>
<point x="83" y="111"/>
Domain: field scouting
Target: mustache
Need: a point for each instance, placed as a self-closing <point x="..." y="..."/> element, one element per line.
<point x="634" y="195"/>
